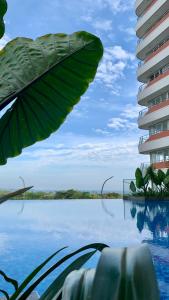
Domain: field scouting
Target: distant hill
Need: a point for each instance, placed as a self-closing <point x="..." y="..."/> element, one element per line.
<point x="66" y="194"/>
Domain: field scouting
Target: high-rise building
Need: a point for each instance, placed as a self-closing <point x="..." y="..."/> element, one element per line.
<point x="152" y="30"/>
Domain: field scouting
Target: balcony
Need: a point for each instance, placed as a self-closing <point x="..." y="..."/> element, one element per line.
<point x="154" y="36"/>
<point x="153" y="13"/>
<point x="157" y="60"/>
<point x="141" y="6"/>
<point x="156" y="113"/>
<point x="154" y="142"/>
<point x="161" y="164"/>
<point x="153" y="89"/>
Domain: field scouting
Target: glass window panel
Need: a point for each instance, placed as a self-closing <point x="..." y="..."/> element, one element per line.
<point x="165" y="125"/>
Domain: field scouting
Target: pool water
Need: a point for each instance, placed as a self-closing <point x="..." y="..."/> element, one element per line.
<point x="32" y="230"/>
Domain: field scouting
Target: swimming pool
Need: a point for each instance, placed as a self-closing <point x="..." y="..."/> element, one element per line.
<point x="31" y="230"/>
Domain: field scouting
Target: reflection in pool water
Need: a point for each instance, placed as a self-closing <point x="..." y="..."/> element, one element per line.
<point x="28" y="237"/>
<point x="154" y="216"/>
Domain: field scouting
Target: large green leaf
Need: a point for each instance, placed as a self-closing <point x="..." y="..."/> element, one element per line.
<point x="132" y="186"/>
<point x="53" y="290"/>
<point x="121" y="274"/>
<point x="3" y="9"/>
<point x="46" y="78"/>
<point x="166" y="180"/>
<point x="96" y="246"/>
<point x="139" y="178"/>
<point x="161" y="176"/>
<point x="32" y="275"/>
<point x="78" y="285"/>
<point x="10" y="280"/>
<point x="126" y="274"/>
<point x="153" y="176"/>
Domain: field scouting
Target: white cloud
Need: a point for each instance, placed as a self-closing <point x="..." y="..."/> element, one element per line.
<point x="112" y="68"/>
<point x="103" y="132"/>
<point x="117" y="52"/>
<point x="103" y="25"/>
<point x="125" y="121"/>
<point x="100" y="25"/>
<point x="131" y="111"/>
<point x="88" y="153"/>
<point x="129" y="30"/>
<point x="114" y="5"/>
<point x="121" y="123"/>
<point x="119" y="5"/>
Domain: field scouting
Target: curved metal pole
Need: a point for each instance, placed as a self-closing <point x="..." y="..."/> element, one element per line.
<point x="102" y="202"/>
<point x="23" y="181"/>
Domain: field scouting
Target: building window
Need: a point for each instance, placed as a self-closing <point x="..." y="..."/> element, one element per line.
<point x="158" y="99"/>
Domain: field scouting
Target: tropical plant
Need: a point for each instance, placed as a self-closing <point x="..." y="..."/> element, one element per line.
<point x="45" y="78"/>
<point x="107" y="281"/>
<point x="23" y="290"/>
<point x="154" y="183"/>
<point x="142" y="182"/>
<point x="3" y="9"/>
<point x="120" y="275"/>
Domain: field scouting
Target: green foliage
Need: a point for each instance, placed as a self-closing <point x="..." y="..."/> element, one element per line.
<point x="153" y="175"/>
<point x="74" y="194"/>
<point x="71" y="194"/>
<point x="160" y="176"/>
<point x="3" y="9"/>
<point x="45" y="78"/>
<point x="78" y="285"/>
<point x="139" y="178"/>
<point x="55" y="288"/>
<point x="120" y="275"/>
<point x="142" y="182"/>
<point x="166" y="180"/>
<point x="67" y="194"/>
<point x="154" y="183"/>
<point x="26" y="287"/>
<point x="132" y="186"/>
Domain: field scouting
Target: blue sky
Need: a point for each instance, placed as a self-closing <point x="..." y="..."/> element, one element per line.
<point x="100" y="136"/>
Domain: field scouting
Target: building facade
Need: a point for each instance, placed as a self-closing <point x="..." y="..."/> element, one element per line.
<point x="152" y="30"/>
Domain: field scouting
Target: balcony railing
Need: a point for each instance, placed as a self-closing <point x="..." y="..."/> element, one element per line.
<point x="139" y="41"/>
<point x="160" y="160"/>
<point x="140" y="64"/>
<point x="143" y="139"/>
<point x="164" y="73"/>
<point x="157" y="49"/>
<point x="142" y="87"/>
<point x="163" y="18"/>
<point x="153" y="136"/>
<point x="147" y="8"/>
<point x="156" y="103"/>
<point x="142" y="113"/>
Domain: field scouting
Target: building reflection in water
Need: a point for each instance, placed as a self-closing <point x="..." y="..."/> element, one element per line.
<point x="154" y="217"/>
